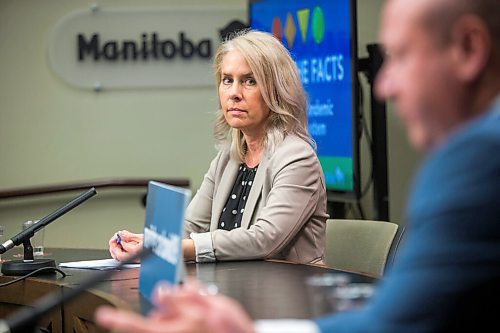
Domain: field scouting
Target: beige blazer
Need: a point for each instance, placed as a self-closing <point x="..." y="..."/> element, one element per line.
<point x="285" y="215"/>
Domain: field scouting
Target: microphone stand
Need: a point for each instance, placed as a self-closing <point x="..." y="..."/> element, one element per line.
<point x="29" y="263"/>
<point x="24" y="320"/>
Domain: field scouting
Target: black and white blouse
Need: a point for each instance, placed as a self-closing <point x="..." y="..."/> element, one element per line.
<point x="232" y="213"/>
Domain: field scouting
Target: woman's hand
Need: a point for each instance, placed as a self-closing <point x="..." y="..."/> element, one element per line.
<point x="129" y="245"/>
<point x="188" y="250"/>
<point x="187" y="309"/>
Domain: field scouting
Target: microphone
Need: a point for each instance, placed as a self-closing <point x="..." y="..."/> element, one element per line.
<point x="25" y="319"/>
<point x="17" y="267"/>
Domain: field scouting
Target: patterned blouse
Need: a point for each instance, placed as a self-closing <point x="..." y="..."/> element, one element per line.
<point x="232" y="213"/>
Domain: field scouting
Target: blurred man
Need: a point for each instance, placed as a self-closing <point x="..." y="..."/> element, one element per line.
<point x="442" y="71"/>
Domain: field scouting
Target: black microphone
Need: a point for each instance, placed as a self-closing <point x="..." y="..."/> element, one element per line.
<point x="29" y="264"/>
<point x="25" y="319"/>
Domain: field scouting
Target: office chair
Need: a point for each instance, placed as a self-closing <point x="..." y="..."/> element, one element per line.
<point x="362" y="246"/>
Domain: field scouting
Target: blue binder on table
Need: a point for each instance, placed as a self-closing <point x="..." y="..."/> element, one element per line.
<point x="163" y="231"/>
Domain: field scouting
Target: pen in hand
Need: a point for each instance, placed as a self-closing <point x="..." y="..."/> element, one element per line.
<point x="119" y="240"/>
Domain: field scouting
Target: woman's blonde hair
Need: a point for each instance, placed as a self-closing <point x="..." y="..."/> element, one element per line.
<point x="278" y="80"/>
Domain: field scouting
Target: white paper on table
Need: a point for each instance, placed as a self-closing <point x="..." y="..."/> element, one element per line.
<point x="100" y="264"/>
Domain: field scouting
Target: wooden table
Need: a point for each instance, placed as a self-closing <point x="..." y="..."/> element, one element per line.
<point x="266" y="289"/>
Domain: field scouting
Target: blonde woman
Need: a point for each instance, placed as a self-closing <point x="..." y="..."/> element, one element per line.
<point x="264" y="194"/>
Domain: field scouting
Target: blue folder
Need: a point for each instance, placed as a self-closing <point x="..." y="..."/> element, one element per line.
<point x="163" y="232"/>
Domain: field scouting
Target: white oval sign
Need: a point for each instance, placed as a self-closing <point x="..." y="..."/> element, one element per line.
<point x="116" y="48"/>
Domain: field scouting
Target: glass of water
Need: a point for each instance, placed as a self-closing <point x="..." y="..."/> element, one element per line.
<point x="2" y="230"/>
<point x="334" y="292"/>
<point x="320" y="291"/>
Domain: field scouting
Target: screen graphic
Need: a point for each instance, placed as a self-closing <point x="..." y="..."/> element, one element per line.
<point x="319" y="37"/>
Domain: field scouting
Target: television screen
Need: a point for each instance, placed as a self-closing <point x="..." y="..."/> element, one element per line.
<point x="321" y="36"/>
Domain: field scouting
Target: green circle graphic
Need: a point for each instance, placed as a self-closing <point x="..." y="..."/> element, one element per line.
<point x="318" y="25"/>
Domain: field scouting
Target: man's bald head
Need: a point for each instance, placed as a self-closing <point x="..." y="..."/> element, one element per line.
<point x="439" y="16"/>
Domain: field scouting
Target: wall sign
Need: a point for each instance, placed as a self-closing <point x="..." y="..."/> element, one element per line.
<point x="99" y="48"/>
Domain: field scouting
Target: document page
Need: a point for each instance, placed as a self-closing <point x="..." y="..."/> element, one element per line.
<point x="100" y="264"/>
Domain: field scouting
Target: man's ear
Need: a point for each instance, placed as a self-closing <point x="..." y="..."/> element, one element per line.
<point x="471" y="42"/>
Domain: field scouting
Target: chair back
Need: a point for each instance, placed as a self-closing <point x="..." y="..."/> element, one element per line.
<point x="362" y="246"/>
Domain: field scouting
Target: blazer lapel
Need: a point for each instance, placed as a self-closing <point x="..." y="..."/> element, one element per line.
<point x="255" y="192"/>
<point x="225" y="186"/>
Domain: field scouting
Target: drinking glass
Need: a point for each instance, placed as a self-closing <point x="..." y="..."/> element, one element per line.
<point x="321" y="288"/>
<point x="335" y="292"/>
<point x="2" y="230"/>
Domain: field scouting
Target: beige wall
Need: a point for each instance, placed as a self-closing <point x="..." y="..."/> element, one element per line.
<point x="53" y="133"/>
